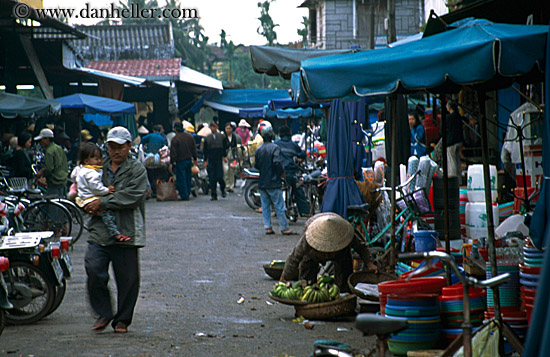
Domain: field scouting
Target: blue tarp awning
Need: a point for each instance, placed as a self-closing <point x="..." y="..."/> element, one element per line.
<point x="477" y="52"/>
<point x="96" y="105"/>
<point x="14" y="106"/>
<point x="290" y="113"/>
<point x="276" y="104"/>
<point x="232" y="100"/>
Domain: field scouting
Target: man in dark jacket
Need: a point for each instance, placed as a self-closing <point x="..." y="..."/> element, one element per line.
<point x="289" y="151"/>
<point x="182" y="151"/>
<point x="215" y="154"/>
<point x="327" y="237"/>
<point x="129" y="178"/>
<point x="56" y="168"/>
<point x="268" y="161"/>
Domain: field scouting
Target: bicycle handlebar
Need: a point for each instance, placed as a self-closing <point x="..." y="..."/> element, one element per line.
<point x="399" y="187"/>
<point x="492" y="282"/>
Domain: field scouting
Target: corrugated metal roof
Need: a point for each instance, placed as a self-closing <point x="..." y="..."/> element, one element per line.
<point x="155" y="69"/>
<point x="124" y="42"/>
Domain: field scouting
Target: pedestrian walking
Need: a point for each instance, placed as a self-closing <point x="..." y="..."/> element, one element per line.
<point x="230" y="166"/>
<point x="290" y="151"/>
<point x="129" y="178"/>
<point x="215" y="154"/>
<point x="183" y="153"/>
<point x="268" y="161"/>
<point x="56" y="169"/>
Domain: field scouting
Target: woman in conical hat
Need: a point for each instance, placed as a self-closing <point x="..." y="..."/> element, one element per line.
<point x="327" y="236"/>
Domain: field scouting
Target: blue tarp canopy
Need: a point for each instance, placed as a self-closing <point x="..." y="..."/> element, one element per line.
<point x="96" y="105"/>
<point x="476" y="52"/>
<point x="276" y="104"/>
<point x="232" y="100"/>
<point x="290" y="113"/>
<point x="14" y="106"/>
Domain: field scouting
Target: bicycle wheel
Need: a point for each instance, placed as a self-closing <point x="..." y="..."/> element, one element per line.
<point x="314" y="202"/>
<point x="29" y="291"/>
<point x="48" y="216"/>
<point x="77" y="218"/>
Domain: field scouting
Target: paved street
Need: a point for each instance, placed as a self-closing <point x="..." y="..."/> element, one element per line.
<point x="201" y="257"/>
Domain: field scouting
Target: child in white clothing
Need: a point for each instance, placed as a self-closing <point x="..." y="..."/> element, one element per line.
<point x="88" y="177"/>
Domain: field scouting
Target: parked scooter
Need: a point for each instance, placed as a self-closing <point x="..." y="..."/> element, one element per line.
<point x="249" y="187"/>
<point x="4" y="302"/>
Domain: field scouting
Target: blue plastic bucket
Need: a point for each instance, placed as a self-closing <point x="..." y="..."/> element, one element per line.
<point x="425" y="241"/>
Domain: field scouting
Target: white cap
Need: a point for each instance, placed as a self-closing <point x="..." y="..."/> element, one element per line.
<point x="44" y="133"/>
<point x="119" y="135"/>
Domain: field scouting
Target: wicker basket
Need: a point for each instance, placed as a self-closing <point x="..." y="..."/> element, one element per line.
<point x="368" y="278"/>
<point x="273" y="271"/>
<point x="18" y="183"/>
<point x="328" y="310"/>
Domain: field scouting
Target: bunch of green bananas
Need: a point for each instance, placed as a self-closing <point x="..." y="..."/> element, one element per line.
<point x="288" y="291"/>
<point x="314" y="293"/>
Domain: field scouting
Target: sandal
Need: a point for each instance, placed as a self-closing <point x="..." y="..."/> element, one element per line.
<point x="121" y="327"/>
<point x="122" y="238"/>
<point x="269" y="231"/>
<point x="289" y="233"/>
<point x="100" y="324"/>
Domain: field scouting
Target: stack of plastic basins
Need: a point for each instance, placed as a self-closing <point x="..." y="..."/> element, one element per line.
<point x="428" y="285"/>
<point x="509" y="299"/>
<point x="529" y="274"/>
<point x="422" y="314"/>
<point x="452" y="309"/>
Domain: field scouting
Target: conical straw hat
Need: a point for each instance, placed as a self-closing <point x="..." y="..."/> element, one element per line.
<point x="329" y="232"/>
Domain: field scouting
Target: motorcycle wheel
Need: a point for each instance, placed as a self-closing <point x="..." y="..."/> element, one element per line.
<point x="252" y="195"/>
<point x="59" y="295"/>
<point x="2" y="320"/>
<point x="194" y="186"/>
<point x="30" y="293"/>
<point x="205" y="186"/>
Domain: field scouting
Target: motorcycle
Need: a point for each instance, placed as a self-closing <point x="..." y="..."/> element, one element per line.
<point x="249" y="187"/>
<point x="200" y="179"/>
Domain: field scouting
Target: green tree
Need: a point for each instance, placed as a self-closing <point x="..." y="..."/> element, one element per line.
<point x="229" y="52"/>
<point x="245" y="76"/>
<point x="267" y="27"/>
<point x="304" y="31"/>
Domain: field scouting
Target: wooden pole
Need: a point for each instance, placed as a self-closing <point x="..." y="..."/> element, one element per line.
<point x="488" y="204"/>
<point x="394" y="166"/>
<point x="444" y="163"/>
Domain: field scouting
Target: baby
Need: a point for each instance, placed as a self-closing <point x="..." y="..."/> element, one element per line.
<point x="88" y="177"/>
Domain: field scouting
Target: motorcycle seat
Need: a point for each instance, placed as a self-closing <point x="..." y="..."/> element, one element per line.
<point x="359" y="210"/>
<point x="371" y="324"/>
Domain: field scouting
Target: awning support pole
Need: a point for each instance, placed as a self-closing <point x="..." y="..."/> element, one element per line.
<point x="444" y="163"/>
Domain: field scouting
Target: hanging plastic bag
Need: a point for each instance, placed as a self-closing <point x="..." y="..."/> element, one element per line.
<point x="484" y="342"/>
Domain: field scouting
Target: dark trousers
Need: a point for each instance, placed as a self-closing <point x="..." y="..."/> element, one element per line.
<point x="183" y="178"/>
<point x="299" y="195"/>
<point x="215" y="176"/>
<point x="125" y="262"/>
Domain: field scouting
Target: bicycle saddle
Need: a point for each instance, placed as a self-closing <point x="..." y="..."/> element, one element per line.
<point x="371" y="324"/>
<point x="360" y="210"/>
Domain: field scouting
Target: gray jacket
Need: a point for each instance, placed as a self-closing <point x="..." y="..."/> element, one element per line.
<point x="127" y="203"/>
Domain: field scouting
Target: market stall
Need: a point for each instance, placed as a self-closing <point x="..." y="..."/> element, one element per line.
<point x="478" y="54"/>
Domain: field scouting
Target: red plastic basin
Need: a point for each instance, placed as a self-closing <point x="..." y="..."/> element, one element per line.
<point x="425" y="285"/>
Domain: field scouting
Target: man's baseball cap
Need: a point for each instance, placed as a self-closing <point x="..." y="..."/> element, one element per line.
<point x="119" y="135"/>
<point x="44" y="133"/>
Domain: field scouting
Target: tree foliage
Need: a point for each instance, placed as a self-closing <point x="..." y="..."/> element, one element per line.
<point x="304" y="31"/>
<point x="267" y="27"/>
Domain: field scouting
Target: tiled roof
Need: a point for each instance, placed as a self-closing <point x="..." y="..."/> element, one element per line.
<point x="119" y="42"/>
<point x="155" y="69"/>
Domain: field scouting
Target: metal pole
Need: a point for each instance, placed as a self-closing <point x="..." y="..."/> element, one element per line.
<point x="444" y="163"/>
<point x="394" y="165"/>
<point x="488" y="204"/>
